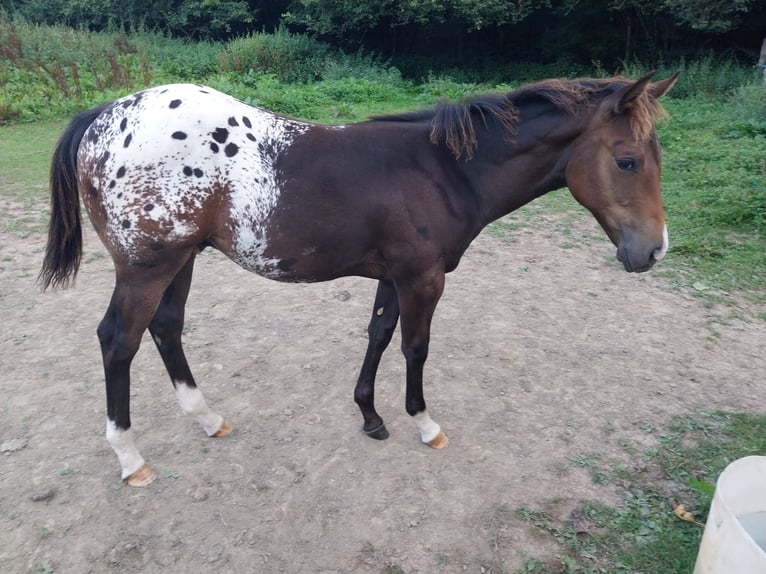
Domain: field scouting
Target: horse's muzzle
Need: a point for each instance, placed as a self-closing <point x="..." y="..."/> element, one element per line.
<point x="637" y="256"/>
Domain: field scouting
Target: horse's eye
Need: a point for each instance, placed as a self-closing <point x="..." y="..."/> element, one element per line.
<point x="627" y="164"/>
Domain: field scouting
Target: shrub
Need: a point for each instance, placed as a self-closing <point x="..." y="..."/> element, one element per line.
<point x="289" y="57"/>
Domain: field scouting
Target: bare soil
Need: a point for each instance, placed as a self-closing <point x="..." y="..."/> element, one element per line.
<point x="543" y="348"/>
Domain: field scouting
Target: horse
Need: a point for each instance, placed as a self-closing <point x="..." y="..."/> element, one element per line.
<point x="169" y="171"/>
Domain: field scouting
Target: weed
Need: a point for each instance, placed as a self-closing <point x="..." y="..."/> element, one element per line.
<point x="642" y="534"/>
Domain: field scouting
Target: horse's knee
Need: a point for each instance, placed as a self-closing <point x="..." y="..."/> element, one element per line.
<point x="416" y="353"/>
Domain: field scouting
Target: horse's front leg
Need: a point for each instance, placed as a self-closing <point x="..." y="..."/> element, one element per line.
<point x="385" y="315"/>
<point x="418" y="298"/>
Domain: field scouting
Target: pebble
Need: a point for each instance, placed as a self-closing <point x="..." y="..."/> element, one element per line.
<point x="13" y="445"/>
<point x="43" y="496"/>
<point x="344" y="295"/>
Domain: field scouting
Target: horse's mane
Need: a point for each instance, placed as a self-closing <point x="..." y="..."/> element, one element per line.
<point x="453" y="123"/>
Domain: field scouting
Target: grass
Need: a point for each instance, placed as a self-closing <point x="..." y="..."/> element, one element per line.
<point x="714" y="182"/>
<point x="642" y="534"/>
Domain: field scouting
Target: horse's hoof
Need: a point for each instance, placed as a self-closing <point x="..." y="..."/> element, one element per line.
<point x="440" y="441"/>
<point x="224" y="430"/>
<point x="380" y="433"/>
<point x="144" y="476"/>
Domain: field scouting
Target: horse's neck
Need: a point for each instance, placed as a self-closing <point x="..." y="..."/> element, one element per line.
<point x="532" y="164"/>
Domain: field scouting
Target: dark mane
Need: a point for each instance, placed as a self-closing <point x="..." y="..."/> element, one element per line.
<point x="453" y="123"/>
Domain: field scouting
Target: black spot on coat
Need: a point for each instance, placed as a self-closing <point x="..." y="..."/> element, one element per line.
<point x="188" y="170"/>
<point x="174" y="104"/>
<point x="121" y="171"/>
<point x="123" y="124"/>
<point x="231" y="149"/>
<point x="251" y="137"/>
<point x="148" y="207"/>
<point x="246" y="121"/>
<point x="198" y="172"/>
<point x="126" y="224"/>
<point x="102" y="160"/>
<point x="214" y="147"/>
<point x="127" y="140"/>
<point x="220" y="135"/>
<point x="179" y="135"/>
<point x="233" y="122"/>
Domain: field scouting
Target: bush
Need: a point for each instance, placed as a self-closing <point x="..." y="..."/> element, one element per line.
<point x="289" y="57"/>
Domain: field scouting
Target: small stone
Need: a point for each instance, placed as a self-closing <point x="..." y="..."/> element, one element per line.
<point x="43" y="496"/>
<point x="344" y="296"/>
<point x="13" y="445"/>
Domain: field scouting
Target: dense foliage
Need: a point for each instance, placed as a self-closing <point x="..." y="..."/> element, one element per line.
<point x="570" y="31"/>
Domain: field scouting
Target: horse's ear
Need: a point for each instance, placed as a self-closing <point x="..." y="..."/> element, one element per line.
<point x="659" y="89"/>
<point x="623" y="99"/>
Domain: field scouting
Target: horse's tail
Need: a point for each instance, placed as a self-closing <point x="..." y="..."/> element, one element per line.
<point x="64" y="248"/>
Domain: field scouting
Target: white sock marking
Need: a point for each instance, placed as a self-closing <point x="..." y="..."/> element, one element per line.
<point x="124" y="447"/>
<point x="429" y="430"/>
<point x="193" y="403"/>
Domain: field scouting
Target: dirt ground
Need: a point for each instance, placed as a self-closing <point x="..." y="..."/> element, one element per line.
<point x="542" y="348"/>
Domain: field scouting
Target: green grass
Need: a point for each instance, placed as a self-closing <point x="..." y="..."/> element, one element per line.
<point x="642" y="534"/>
<point x="714" y="185"/>
<point x="25" y="154"/>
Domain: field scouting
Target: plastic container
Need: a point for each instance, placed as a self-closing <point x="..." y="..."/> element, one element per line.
<point x="734" y="541"/>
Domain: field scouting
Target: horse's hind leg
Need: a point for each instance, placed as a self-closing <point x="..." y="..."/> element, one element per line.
<point x="166" y="327"/>
<point x="385" y="314"/>
<point x="136" y="295"/>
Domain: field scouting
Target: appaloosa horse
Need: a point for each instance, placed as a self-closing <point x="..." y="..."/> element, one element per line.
<point x="168" y="171"/>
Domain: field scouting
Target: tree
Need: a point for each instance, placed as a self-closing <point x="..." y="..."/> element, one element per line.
<point x="714" y="16"/>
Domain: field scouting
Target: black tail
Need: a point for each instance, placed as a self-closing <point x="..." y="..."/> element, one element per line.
<point x="64" y="248"/>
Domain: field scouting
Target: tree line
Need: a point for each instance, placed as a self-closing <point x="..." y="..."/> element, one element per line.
<point x="577" y="31"/>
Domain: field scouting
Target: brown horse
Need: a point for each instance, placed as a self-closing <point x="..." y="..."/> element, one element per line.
<point x="171" y="170"/>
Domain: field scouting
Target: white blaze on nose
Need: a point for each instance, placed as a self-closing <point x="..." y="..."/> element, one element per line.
<point x="660" y="253"/>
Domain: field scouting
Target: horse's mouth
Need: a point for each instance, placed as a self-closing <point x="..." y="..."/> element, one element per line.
<point x="632" y="267"/>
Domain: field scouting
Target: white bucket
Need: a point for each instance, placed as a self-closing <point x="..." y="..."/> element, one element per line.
<point x="734" y="541"/>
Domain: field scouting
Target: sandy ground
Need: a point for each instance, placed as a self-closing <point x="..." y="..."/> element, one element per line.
<point x="542" y="348"/>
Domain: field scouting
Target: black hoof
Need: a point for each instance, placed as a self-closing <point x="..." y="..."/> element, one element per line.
<point x="380" y="433"/>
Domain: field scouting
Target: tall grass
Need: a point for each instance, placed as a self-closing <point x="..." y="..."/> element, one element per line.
<point x="708" y="76"/>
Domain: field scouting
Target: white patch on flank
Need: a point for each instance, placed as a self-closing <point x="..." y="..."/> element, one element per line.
<point x="124" y="447"/>
<point x="162" y="153"/>
<point x="193" y="403"/>
<point x="252" y="204"/>
<point x="659" y="254"/>
<point x="429" y="430"/>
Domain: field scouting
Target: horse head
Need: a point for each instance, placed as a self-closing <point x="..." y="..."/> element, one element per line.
<point x="614" y="171"/>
